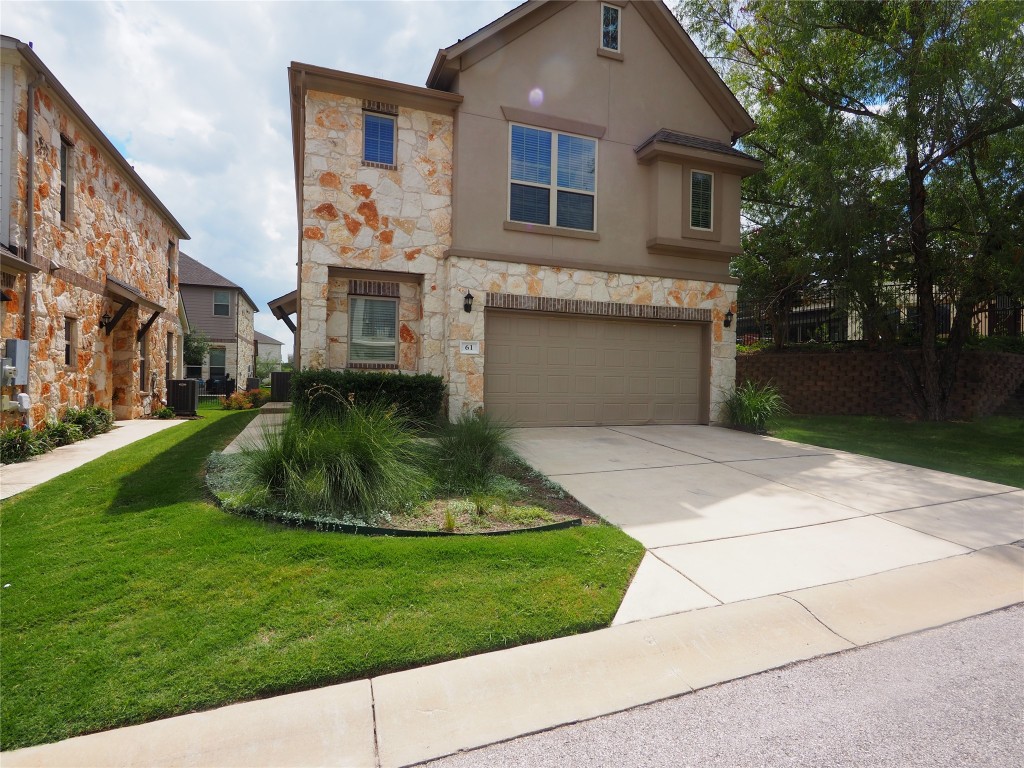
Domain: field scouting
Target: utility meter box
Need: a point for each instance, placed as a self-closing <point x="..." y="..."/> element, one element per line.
<point x="17" y="351"/>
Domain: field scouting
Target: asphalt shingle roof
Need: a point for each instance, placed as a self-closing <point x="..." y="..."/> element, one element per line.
<point x="697" y="142"/>
<point x="191" y="272"/>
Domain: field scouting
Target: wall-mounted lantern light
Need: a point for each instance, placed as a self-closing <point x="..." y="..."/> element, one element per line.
<point x="728" y="319"/>
<point x="467" y="303"/>
<point x="104" y="321"/>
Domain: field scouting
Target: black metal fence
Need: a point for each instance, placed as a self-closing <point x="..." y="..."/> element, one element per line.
<point x="832" y="316"/>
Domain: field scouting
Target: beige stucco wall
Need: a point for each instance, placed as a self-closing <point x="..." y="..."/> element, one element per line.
<point x="113" y="230"/>
<point x="557" y="62"/>
<point x="363" y="218"/>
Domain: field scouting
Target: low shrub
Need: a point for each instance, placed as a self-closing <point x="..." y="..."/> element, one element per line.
<point x="18" y="444"/>
<point x="92" y="419"/>
<point x="164" y="413"/>
<point x="59" y="433"/>
<point x="243" y="401"/>
<point x="465" y="452"/>
<point x="751" y="406"/>
<point x="359" y="467"/>
<point x="418" y="397"/>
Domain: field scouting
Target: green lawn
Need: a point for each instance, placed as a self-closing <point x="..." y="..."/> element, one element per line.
<point x="132" y="597"/>
<point x="989" y="449"/>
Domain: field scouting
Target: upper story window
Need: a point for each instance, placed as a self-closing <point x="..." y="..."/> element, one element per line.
<point x="553" y="178"/>
<point x="701" y="199"/>
<point x="222" y="303"/>
<point x="374" y="330"/>
<point x="67" y="154"/>
<point x="610" y="27"/>
<point x="172" y="264"/>
<point x="378" y="138"/>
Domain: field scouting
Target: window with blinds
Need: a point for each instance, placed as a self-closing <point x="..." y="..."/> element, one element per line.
<point x="701" y="188"/>
<point x="553" y="178"/>
<point x="378" y="139"/>
<point x="373" y="330"/>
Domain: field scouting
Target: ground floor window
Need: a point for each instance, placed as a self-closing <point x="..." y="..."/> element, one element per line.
<point x="143" y="367"/>
<point x="193" y="371"/>
<point x="374" y="330"/>
<point x="218" y="362"/>
<point x="70" y="342"/>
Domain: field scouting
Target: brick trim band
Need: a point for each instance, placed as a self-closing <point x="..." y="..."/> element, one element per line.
<point x="601" y="308"/>
<point x="373" y="288"/>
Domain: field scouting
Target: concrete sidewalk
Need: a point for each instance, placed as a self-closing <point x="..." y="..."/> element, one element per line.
<point x="15" y="478"/>
<point x="760" y="553"/>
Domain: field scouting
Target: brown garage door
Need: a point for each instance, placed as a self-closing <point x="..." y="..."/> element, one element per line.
<point x="568" y="370"/>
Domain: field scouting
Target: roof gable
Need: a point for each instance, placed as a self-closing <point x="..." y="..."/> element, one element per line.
<point x="517" y="22"/>
<point x="191" y="272"/>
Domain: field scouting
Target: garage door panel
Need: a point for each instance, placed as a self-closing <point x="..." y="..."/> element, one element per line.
<point x="571" y="370"/>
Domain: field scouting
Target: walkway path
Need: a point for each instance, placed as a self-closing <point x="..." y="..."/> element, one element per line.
<point x="16" y="478"/>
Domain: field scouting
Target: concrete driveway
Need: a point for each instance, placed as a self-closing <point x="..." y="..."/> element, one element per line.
<point x="728" y="516"/>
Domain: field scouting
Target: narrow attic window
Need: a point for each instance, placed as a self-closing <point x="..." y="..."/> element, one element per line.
<point x="67" y="186"/>
<point x="701" y="187"/>
<point x="610" y="27"/>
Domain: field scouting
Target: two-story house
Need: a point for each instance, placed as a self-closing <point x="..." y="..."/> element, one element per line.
<point x="548" y="224"/>
<point x="223" y="311"/>
<point x="90" y="311"/>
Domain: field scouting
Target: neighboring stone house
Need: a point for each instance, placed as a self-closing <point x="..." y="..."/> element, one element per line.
<point x="548" y="225"/>
<point x="224" y="312"/>
<point x="91" y="312"/>
<point x="268" y="349"/>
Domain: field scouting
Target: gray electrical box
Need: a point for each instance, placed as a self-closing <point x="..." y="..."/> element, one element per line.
<point x="17" y="351"/>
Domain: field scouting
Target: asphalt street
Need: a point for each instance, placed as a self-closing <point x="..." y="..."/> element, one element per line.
<point x="951" y="696"/>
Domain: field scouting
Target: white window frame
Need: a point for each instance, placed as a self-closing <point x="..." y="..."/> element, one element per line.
<point x="221" y="303"/>
<point x="351" y="330"/>
<point x="600" y="30"/>
<point x="70" y="343"/>
<point x="553" y="186"/>
<point x="712" y="200"/>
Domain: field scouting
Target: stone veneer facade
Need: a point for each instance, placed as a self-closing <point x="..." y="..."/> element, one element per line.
<point x="390" y="230"/>
<point x="379" y="224"/>
<point x="114" y="230"/>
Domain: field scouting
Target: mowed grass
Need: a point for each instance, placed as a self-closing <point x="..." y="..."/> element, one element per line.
<point x="988" y="449"/>
<point x="132" y="597"/>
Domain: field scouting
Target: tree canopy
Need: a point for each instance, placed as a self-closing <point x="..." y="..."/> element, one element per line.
<point x="892" y="135"/>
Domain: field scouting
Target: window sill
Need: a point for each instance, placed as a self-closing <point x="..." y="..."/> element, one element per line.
<point x="608" y="54"/>
<point x="382" y="166"/>
<point x="541" y="229"/>
<point x="373" y="366"/>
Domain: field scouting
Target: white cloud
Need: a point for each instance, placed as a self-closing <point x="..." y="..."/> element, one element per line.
<point x="196" y="94"/>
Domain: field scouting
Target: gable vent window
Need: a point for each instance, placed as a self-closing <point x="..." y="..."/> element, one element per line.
<point x="610" y="27"/>
<point x="553" y="178"/>
<point x="221" y="303"/>
<point x="701" y="188"/>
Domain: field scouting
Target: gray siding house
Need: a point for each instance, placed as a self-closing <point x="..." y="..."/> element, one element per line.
<point x="224" y="312"/>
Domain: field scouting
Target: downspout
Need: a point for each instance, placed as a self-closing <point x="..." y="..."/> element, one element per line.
<point x="26" y="331"/>
<point x="30" y="207"/>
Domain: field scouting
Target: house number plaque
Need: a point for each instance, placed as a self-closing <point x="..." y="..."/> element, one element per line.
<point x="470" y="347"/>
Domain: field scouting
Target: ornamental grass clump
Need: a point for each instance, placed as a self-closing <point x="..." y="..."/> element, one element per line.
<point x="465" y="454"/>
<point x="358" y="468"/>
<point x="751" y="406"/>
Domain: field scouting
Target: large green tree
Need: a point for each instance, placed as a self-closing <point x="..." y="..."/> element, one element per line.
<point x="891" y="133"/>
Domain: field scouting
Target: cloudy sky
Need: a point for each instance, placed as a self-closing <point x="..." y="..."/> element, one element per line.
<point x="195" y="95"/>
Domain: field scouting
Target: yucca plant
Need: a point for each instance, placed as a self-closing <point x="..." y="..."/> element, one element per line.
<point x="752" y="405"/>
